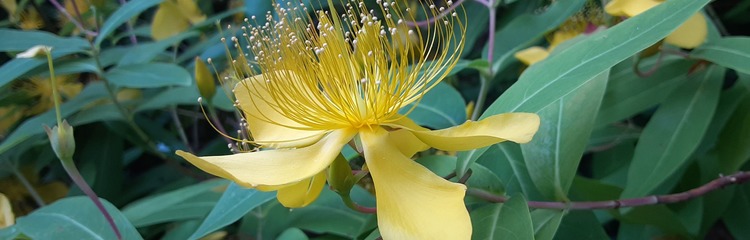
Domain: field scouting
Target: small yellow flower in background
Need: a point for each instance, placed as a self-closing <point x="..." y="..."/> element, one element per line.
<point x="690" y="34"/>
<point x="9" y="115"/>
<point x="535" y="54"/>
<point x="7" y="218"/>
<point x="583" y="22"/>
<point x="342" y="80"/>
<point x="174" y="17"/>
<point x="40" y="89"/>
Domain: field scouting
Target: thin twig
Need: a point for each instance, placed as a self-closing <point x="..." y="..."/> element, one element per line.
<point x="484" y="80"/>
<point x="34" y="194"/>
<point x="129" y="27"/>
<point x="737" y="178"/>
<point x="71" y="19"/>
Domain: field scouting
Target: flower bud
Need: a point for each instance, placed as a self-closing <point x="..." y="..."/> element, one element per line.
<point x="204" y="79"/>
<point x="35" y="51"/>
<point x="62" y="141"/>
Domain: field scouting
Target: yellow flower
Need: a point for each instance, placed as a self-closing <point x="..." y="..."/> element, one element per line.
<point x="40" y="88"/>
<point x="689" y="35"/>
<point x="535" y="54"/>
<point x="322" y="86"/>
<point x="584" y="21"/>
<point x="9" y="115"/>
<point x="7" y="218"/>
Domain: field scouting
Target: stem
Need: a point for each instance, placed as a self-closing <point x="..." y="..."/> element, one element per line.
<point x="651" y="70"/>
<point x="723" y="181"/>
<point x="129" y="27"/>
<point x="53" y="84"/>
<point x="180" y="129"/>
<point x="484" y="80"/>
<point x="113" y="97"/>
<point x="70" y="167"/>
<point x="356" y="207"/>
<point x="71" y="19"/>
<point x="34" y="194"/>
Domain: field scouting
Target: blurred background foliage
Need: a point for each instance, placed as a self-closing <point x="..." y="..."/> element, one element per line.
<point x="624" y="115"/>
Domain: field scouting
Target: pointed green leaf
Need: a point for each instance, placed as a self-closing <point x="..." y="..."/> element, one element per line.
<point x="72" y="218"/>
<point x="547" y="81"/>
<point x="552" y="157"/>
<point x="673" y="133"/>
<point x="149" y="75"/>
<point x="123" y="14"/>
<point x="510" y="220"/>
<point x="233" y="204"/>
<point x="730" y="52"/>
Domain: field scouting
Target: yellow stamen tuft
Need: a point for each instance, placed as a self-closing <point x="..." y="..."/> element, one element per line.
<point x="350" y="69"/>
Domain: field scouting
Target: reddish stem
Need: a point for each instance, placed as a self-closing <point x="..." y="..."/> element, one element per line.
<point x="737" y="178"/>
<point x="78" y="180"/>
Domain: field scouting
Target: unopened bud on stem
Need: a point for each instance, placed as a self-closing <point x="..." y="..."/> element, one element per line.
<point x="62" y="141"/>
<point x="204" y="79"/>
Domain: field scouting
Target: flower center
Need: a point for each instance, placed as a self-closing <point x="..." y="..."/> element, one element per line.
<point x="352" y="71"/>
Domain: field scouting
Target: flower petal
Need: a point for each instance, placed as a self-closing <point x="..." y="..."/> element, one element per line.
<point x="267" y="125"/>
<point x="406" y="142"/>
<point x="690" y="34"/>
<point x="629" y="8"/>
<point x="274" y="167"/>
<point x="516" y="127"/>
<point x="413" y="203"/>
<point x="531" y="55"/>
<point x="302" y="193"/>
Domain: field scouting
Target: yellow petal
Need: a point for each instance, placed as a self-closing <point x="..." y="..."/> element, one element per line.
<point x="412" y="202"/>
<point x="190" y="10"/>
<point x="531" y="55"/>
<point x="168" y="21"/>
<point x="274" y="167"/>
<point x="302" y="193"/>
<point x="268" y="126"/>
<point x="406" y="142"/>
<point x="7" y="217"/>
<point x="629" y="8"/>
<point x="516" y="127"/>
<point x="690" y="34"/>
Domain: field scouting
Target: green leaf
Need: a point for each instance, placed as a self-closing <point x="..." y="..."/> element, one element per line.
<point x="145" y="52"/>
<point x="441" y="107"/>
<point x="21" y="40"/>
<point x="326" y="215"/>
<point x="733" y="146"/>
<point x="122" y="15"/>
<point x="552" y="157"/>
<point x="33" y="126"/>
<point x="546" y="222"/>
<point x="149" y="75"/>
<point x="545" y="82"/>
<point x="506" y="161"/>
<point x="510" y="220"/>
<point x="581" y="225"/>
<point x="737" y="218"/>
<point x="233" y="204"/>
<point x="185" y="203"/>
<point x="72" y="218"/>
<point x="730" y="52"/>
<point x="628" y="94"/>
<point x="466" y="159"/>
<point x="528" y="28"/>
<point x="16" y="40"/>
<point x="673" y="133"/>
<point x="292" y="234"/>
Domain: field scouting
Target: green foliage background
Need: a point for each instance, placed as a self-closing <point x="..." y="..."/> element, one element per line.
<point x="607" y="133"/>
